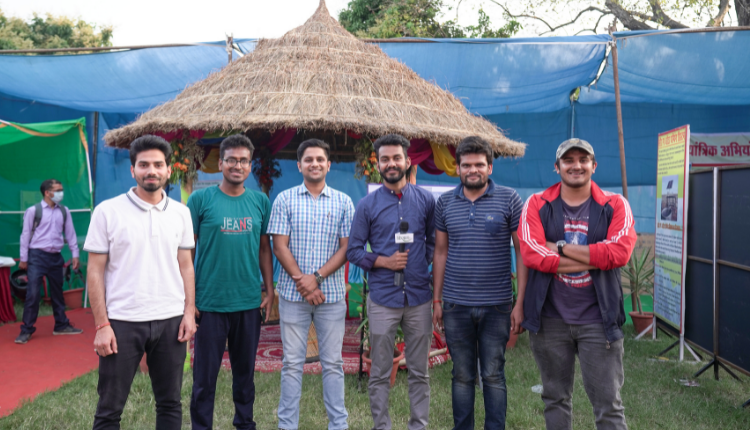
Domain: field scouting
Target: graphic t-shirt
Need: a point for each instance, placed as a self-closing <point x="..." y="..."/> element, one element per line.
<point x="571" y="296"/>
<point x="227" y="273"/>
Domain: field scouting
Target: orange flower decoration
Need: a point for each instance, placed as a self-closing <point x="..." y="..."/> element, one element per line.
<point x="367" y="173"/>
<point x="187" y="161"/>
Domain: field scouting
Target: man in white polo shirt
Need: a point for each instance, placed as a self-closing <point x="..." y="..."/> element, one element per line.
<point x="142" y="288"/>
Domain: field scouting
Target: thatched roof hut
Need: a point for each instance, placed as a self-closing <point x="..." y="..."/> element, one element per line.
<point x="318" y="78"/>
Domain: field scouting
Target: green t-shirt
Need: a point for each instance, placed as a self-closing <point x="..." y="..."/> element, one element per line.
<point x="227" y="273"/>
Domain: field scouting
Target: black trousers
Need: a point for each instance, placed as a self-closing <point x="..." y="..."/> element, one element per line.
<point x="242" y="330"/>
<point x="165" y="356"/>
<point x="41" y="264"/>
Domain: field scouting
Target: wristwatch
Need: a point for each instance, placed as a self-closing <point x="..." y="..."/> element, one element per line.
<point x="318" y="277"/>
<point x="560" y="245"/>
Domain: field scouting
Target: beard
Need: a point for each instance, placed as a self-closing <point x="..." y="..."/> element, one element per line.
<point x="152" y="186"/>
<point x="474" y="185"/>
<point x="392" y="180"/>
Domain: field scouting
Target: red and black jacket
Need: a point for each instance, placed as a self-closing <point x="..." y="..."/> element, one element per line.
<point x="611" y="237"/>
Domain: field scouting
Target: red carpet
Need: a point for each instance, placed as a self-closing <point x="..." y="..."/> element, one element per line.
<point x="47" y="361"/>
<point x="270" y="351"/>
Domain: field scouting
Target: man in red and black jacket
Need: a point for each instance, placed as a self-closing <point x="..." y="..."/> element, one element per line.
<point x="574" y="239"/>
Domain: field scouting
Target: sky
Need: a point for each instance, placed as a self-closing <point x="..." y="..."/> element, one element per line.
<point x="151" y="22"/>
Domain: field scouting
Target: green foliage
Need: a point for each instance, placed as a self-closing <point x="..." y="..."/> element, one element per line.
<point x="360" y="15"/>
<point x="483" y="29"/>
<point x="385" y="19"/>
<point x="51" y="32"/>
<point x="640" y="273"/>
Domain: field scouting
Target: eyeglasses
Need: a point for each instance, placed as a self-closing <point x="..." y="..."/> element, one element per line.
<point x="231" y="162"/>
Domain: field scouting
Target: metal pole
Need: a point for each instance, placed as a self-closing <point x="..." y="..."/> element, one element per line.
<point x="230" y="42"/>
<point x="95" y="145"/>
<point x="716" y="271"/>
<point x="618" y="108"/>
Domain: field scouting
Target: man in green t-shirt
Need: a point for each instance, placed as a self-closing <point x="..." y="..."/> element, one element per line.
<point x="230" y="225"/>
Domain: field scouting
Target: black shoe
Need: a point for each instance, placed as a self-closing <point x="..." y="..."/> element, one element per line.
<point x="68" y="330"/>
<point x="23" y="338"/>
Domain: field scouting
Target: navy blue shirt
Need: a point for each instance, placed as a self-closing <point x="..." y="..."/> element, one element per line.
<point x="377" y="221"/>
<point x="478" y="270"/>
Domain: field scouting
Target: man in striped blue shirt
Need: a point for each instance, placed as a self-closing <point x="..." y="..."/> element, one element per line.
<point x="310" y="225"/>
<point x="472" y="273"/>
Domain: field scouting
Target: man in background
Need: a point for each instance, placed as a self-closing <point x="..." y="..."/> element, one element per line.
<point x="229" y="222"/>
<point x="46" y="226"/>
<point x="310" y="225"/>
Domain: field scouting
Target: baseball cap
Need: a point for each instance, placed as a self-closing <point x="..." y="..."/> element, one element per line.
<point x="573" y="143"/>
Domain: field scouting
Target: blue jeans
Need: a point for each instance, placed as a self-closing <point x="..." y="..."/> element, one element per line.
<point x="329" y="320"/>
<point x="478" y="332"/>
<point x="41" y="264"/>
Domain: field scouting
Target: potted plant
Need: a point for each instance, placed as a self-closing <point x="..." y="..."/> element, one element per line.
<point x="640" y="273"/>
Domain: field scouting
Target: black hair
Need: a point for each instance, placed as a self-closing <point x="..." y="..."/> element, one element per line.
<point x="474" y="145"/>
<point x="391" y="140"/>
<point x="313" y="143"/>
<point x="47" y="185"/>
<point x="147" y="143"/>
<point x="236" y="141"/>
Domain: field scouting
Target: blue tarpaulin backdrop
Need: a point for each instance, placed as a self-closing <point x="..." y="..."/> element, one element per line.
<point x="523" y="85"/>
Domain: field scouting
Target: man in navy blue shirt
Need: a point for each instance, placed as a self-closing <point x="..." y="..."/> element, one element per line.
<point x="473" y="227"/>
<point x="377" y="220"/>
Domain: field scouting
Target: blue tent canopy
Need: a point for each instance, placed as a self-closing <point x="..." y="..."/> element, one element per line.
<point x="523" y="85"/>
<point x="707" y="68"/>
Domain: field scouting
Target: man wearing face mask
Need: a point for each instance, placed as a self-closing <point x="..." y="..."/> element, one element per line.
<point x="44" y="226"/>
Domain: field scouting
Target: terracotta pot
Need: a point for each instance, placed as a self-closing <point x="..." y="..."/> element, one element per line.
<point x="73" y="298"/>
<point x="397" y="356"/>
<point x="641" y="321"/>
<point x="512" y="341"/>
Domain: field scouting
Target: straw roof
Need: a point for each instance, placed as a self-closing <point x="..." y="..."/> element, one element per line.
<point x="318" y="77"/>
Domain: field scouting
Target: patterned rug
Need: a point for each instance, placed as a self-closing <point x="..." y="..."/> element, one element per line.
<point x="270" y="351"/>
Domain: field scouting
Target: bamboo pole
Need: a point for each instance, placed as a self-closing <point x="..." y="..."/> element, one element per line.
<point x="618" y="108"/>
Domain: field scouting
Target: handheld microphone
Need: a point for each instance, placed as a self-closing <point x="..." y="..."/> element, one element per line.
<point x="402" y="238"/>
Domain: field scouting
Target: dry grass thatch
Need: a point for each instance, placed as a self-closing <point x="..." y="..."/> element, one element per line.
<point x="318" y="77"/>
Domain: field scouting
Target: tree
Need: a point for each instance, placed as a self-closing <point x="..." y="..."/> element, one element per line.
<point x="595" y="16"/>
<point x="384" y="19"/>
<point x="50" y="33"/>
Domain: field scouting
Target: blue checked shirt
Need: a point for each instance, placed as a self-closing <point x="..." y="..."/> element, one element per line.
<point x="314" y="227"/>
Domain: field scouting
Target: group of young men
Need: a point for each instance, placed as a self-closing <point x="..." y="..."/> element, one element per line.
<point x="151" y="289"/>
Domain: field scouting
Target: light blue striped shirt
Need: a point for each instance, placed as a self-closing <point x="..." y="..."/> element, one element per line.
<point x="314" y="227"/>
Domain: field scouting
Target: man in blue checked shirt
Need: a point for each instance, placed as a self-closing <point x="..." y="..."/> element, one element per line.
<point x="310" y="226"/>
<point x="377" y="221"/>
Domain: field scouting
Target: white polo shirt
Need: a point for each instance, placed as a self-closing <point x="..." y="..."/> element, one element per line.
<point x="142" y="276"/>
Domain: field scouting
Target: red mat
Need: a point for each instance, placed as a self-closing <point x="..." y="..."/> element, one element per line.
<point x="47" y="361"/>
<point x="270" y="352"/>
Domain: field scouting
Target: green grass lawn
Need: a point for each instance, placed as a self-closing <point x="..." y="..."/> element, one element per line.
<point x="653" y="398"/>
<point x="44" y="310"/>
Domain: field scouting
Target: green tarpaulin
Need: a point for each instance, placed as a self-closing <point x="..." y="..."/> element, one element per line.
<point x="31" y="153"/>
